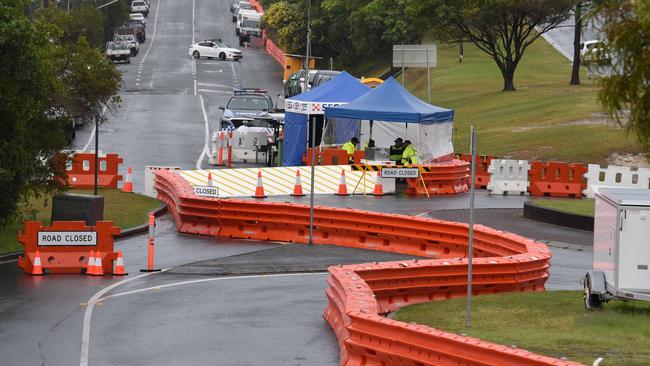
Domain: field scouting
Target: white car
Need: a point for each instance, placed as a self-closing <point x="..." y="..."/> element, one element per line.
<point x="138" y="17"/>
<point x="594" y="51"/>
<point x="139" y="6"/>
<point x="130" y="40"/>
<point x="215" y="48"/>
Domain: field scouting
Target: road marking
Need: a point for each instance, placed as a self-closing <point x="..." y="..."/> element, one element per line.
<point x="195" y="87"/>
<point x="92" y="134"/>
<point x="211" y="91"/>
<point x="193" y="7"/>
<point x="218" y="86"/>
<point x="9" y="261"/>
<point x="206" y="149"/>
<point x="159" y="287"/>
<point x="85" y="332"/>
<point x="153" y="36"/>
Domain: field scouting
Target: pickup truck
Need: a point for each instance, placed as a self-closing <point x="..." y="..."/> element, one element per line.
<point x="248" y="25"/>
<point x="118" y="51"/>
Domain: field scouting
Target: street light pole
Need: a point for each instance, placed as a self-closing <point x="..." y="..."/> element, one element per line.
<point x="96" y="152"/>
<point x="470" y="239"/>
<point x="311" y="123"/>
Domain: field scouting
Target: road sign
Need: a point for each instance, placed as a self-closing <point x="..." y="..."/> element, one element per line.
<point x="400" y="173"/>
<point x="55" y="238"/>
<point x="206" y="191"/>
<point x="424" y="55"/>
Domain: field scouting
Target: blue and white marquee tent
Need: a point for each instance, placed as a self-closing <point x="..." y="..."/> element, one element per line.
<point x="397" y="113"/>
<point x="343" y="89"/>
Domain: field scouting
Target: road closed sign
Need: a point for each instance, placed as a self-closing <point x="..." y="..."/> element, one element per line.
<point x="206" y="191"/>
<point x="77" y="238"/>
<point x="400" y="172"/>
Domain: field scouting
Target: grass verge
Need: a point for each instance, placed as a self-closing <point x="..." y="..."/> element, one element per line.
<point x="126" y="210"/>
<point x="584" y="206"/>
<point x="545" y="118"/>
<point x="552" y="323"/>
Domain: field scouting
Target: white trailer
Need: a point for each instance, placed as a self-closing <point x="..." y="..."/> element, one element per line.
<point x="621" y="262"/>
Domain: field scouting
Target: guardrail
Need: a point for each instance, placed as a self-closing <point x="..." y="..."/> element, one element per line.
<point x="359" y="294"/>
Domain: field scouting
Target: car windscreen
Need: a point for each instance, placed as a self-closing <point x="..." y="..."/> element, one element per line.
<point x="245" y="5"/>
<point x="249" y="23"/>
<point x="248" y="102"/>
<point x="223" y="44"/>
<point x="119" y="46"/>
<point x="138" y="3"/>
<point x="257" y="123"/>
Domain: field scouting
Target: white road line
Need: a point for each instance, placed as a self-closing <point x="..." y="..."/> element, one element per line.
<point x="212" y="91"/>
<point x="195" y="87"/>
<point x="92" y="134"/>
<point x="153" y="36"/>
<point x="85" y="333"/>
<point x="9" y="261"/>
<point x="193" y="7"/>
<point x="206" y="149"/>
<point x="158" y="287"/>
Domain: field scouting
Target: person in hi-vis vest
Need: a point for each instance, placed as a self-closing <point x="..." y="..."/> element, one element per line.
<point x="349" y="148"/>
<point x="396" y="150"/>
<point x="410" y="154"/>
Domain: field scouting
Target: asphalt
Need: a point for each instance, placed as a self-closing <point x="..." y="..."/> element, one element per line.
<point x="181" y="319"/>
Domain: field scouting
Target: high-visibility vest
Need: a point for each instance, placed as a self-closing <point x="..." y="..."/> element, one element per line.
<point x="396" y="153"/>
<point x="410" y="155"/>
<point x="349" y="147"/>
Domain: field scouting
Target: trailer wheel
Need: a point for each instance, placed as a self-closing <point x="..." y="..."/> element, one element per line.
<point x="592" y="301"/>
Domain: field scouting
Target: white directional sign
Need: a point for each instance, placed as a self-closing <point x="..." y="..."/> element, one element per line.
<point x="206" y="191"/>
<point x="54" y="238"/>
<point x="400" y="172"/>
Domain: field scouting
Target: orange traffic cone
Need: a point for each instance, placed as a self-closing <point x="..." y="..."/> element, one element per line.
<point x="259" y="189"/>
<point x="119" y="265"/>
<point x="128" y="183"/>
<point x="37" y="268"/>
<point x="379" y="188"/>
<point x="297" y="188"/>
<point x="343" y="187"/>
<point x="99" y="269"/>
<point x="90" y="267"/>
<point x="210" y="183"/>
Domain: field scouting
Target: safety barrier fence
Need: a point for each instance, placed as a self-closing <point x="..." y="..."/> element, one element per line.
<point x="64" y="246"/>
<point x="273" y="50"/>
<point x="81" y="170"/>
<point x="359" y="294"/>
<point x="442" y="178"/>
<point x="482" y="177"/>
<point x="257" y="6"/>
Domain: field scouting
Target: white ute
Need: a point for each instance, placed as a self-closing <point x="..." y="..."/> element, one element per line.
<point x="139" y="6"/>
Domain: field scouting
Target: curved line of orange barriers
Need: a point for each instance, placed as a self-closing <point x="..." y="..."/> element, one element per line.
<point x="360" y="295"/>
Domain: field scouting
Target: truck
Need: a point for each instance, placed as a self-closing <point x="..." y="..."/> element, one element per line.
<point x="135" y="29"/>
<point x="118" y="51"/>
<point x="248" y="25"/>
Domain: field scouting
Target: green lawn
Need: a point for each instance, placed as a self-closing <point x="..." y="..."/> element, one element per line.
<point x="545" y="118"/>
<point x="126" y="210"/>
<point x="552" y="323"/>
<point x="584" y="206"/>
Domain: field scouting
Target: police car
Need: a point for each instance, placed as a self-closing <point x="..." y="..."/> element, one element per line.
<point x="246" y="105"/>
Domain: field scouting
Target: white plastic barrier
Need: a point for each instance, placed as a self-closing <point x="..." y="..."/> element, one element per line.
<point x="615" y="176"/>
<point x="508" y="176"/>
<point x="247" y="143"/>
<point x="149" y="189"/>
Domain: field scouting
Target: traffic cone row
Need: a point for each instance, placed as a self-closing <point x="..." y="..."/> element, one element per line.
<point x="94" y="267"/>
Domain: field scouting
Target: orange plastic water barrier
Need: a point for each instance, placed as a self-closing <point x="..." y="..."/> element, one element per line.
<point x="358" y="294"/>
<point x="61" y="245"/>
<point x="81" y="170"/>
<point x="441" y="178"/>
<point x="482" y="177"/>
<point x="257" y="6"/>
<point x="273" y="50"/>
<point x="556" y="179"/>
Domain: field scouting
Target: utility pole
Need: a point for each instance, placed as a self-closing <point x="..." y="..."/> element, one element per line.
<point x="311" y="123"/>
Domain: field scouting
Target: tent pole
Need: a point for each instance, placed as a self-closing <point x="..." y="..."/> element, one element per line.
<point x="428" y="78"/>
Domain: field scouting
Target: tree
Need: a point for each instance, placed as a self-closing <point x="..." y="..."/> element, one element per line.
<point x="501" y="28"/>
<point x="286" y="24"/>
<point x="626" y="92"/>
<point x="577" y="35"/>
<point x="46" y="80"/>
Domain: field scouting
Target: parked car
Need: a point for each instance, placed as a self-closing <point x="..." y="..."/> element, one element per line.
<point x="594" y="51"/>
<point x="246" y="105"/>
<point x="130" y="41"/>
<point x="243" y="5"/>
<point x="118" y="51"/>
<point x="323" y="76"/>
<point x="134" y="29"/>
<point x="138" y="18"/>
<point x="139" y="6"/>
<point x="292" y="85"/>
<point x="214" y="49"/>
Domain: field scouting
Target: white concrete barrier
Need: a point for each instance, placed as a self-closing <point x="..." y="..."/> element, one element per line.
<point x="615" y="176"/>
<point x="508" y="176"/>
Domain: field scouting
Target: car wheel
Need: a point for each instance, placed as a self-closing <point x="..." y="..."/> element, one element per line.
<point x="237" y="31"/>
<point x="222" y="56"/>
<point x="196" y="54"/>
<point x="128" y="61"/>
